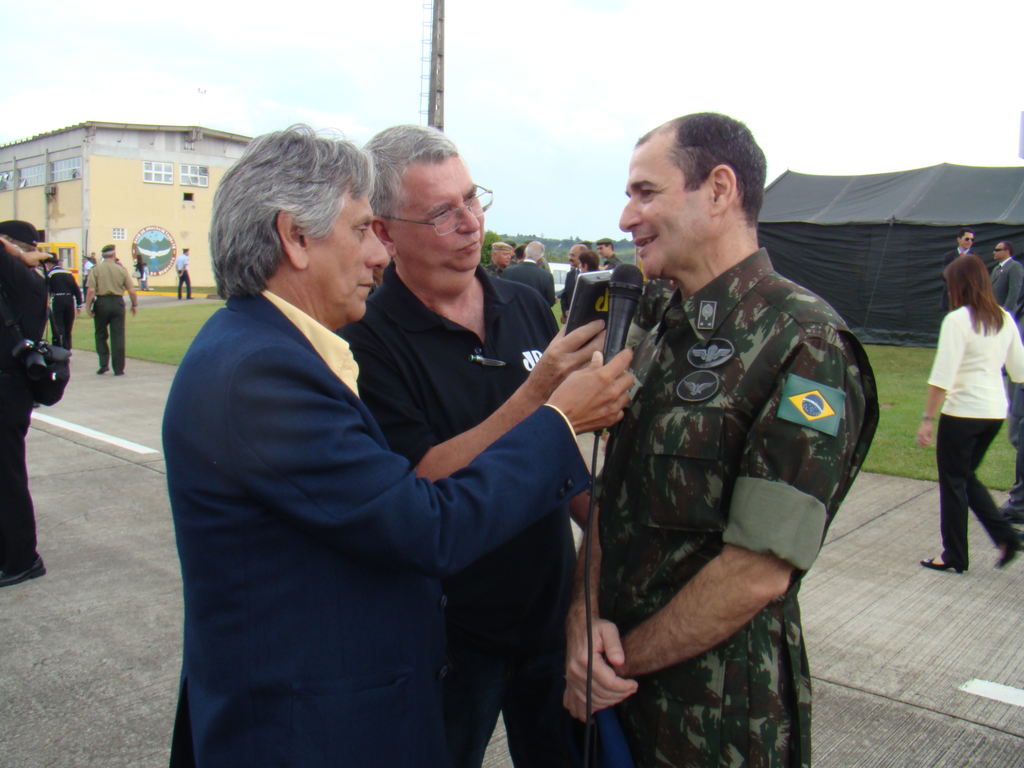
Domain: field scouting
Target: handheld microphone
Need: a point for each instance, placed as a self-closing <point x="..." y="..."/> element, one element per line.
<point x="624" y="290"/>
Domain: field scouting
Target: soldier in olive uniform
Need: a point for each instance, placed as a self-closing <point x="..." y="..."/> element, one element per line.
<point x="501" y="257"/>
<point x="753" y="410"/>
<point x="105" y="289"/>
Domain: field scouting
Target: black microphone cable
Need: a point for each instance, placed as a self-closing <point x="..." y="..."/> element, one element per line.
<point x="589" y="737"/>
<point x="624" y="288"/>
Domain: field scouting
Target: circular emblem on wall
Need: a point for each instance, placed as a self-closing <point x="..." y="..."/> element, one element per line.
<point x="157" y="246"/>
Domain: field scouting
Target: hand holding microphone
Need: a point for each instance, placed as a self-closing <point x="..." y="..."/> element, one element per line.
<point x="592" y="681"/>
<point x="567" y="352"/>
<point x="624" y="291"/>
<point x="594" y="397"/>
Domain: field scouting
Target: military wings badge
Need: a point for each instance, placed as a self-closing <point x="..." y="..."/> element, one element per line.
<point x="710" y="354"/>
<point x="698" y="386"/>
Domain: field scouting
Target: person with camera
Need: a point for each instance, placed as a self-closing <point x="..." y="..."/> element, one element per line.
<point x="106" y="285"/>
<point x="23" y="296"/>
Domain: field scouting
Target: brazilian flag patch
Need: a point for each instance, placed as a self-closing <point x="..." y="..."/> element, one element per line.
<point x="811" y="404"/>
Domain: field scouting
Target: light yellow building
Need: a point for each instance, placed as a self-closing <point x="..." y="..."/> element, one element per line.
<point x="145" y="187"/>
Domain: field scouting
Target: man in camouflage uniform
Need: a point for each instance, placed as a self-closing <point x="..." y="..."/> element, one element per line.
<point x="653" y="302"/>
<point x="501" y="257"/>
<point x="752" y="412"/>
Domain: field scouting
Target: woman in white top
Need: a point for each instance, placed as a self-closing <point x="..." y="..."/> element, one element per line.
<point x="977" y="339"/>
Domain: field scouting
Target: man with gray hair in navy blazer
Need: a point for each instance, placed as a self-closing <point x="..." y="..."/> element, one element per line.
<point x="311" y="555"/>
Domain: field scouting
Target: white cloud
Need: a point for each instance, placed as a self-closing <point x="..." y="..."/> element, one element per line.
<point x="545" y="97"/>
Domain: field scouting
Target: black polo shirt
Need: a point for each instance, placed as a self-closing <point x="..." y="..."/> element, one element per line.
<point x="427" y="379"/>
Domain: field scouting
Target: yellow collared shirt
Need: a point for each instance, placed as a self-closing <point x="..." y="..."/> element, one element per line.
<point x="333" y="349"/>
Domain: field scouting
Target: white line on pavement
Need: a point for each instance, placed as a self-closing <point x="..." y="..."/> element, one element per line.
<point x="119" y="442"/>
<point x="996" y="691"/>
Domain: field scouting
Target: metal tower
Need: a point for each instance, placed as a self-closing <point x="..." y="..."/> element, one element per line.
<point x="432" y="57"/>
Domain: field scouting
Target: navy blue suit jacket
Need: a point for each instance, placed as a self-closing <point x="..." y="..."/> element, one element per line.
<point x="311" y="555"/>
<point x="533" y="275"/>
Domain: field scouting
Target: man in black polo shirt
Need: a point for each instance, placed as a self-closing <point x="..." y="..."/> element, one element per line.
<point x="449" y="359"/>
<point x="25" y="292"/>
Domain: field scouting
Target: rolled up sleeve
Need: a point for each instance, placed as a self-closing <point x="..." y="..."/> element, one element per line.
<point x="775" y="519"/>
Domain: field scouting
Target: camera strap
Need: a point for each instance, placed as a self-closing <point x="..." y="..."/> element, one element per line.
<point x="7" y="315"/>
<point x="5" y="312"/>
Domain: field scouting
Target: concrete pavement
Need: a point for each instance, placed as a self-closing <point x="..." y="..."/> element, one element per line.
<point x="90" y="653"/>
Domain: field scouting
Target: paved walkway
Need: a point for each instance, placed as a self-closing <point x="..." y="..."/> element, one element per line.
<point x="89" y="654"/>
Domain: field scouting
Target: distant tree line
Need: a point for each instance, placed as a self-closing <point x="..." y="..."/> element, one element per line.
<point x="555" y="249"/>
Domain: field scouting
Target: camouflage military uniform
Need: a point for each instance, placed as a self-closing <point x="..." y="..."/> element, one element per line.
<point x="655" y="298"/>
<point x="753" y="412"/>
<point x="657" y="293"/>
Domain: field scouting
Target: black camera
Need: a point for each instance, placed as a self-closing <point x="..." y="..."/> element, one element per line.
<point x="37" y="357"/>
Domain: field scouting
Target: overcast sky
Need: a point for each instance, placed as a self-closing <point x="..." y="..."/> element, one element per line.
<point x="545" y="98"/>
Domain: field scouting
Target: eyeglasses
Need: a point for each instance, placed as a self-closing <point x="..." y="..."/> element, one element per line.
<point x="448" y="221"/>
<point x="965" y="237"/>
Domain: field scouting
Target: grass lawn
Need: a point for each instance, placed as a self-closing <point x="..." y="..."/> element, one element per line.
<point x="162" y="334"/>
<point x="902" y="376"/>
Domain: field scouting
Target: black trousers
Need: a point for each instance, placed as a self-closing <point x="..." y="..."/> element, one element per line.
<point x="109" y="318"/>
<point x="526" y="689"/>
<point x="62" y="318"/>
<point x="17" y="517"/>
<point x="959" y="448"/>
<point x="184" y="280"/>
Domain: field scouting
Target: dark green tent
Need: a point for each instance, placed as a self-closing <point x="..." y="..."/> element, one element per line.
<point x="872" y="246"/>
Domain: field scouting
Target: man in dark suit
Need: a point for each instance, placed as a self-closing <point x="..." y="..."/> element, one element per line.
<point x="310" y="554"/>
<point x="1007" y="277"/>
<point x="964" y="243"/>
<point x="530" y="272"/>
<point x="1007" y="280"/>
<point x="570" y="279"/>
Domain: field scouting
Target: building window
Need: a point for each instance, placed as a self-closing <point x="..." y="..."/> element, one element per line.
<point x="195" y="175"/>
<point x="63" y="170"/>
<point x="66" y="257"/>
<point x="31" y="176"/>
<point x="6" y="179"/>
<point x="188" y="197"/>
<point x="157" y="173"/>
<point x="119" y="233"/>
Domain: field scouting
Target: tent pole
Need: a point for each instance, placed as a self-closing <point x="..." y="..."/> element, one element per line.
<point x="878" y="272"/>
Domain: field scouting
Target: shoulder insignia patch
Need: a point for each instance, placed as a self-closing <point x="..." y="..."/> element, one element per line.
<point x="698" y="386"/>
<point x="706" y="312"/>
<point x="811" y="404"/>
<point x="710" y="354"/>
